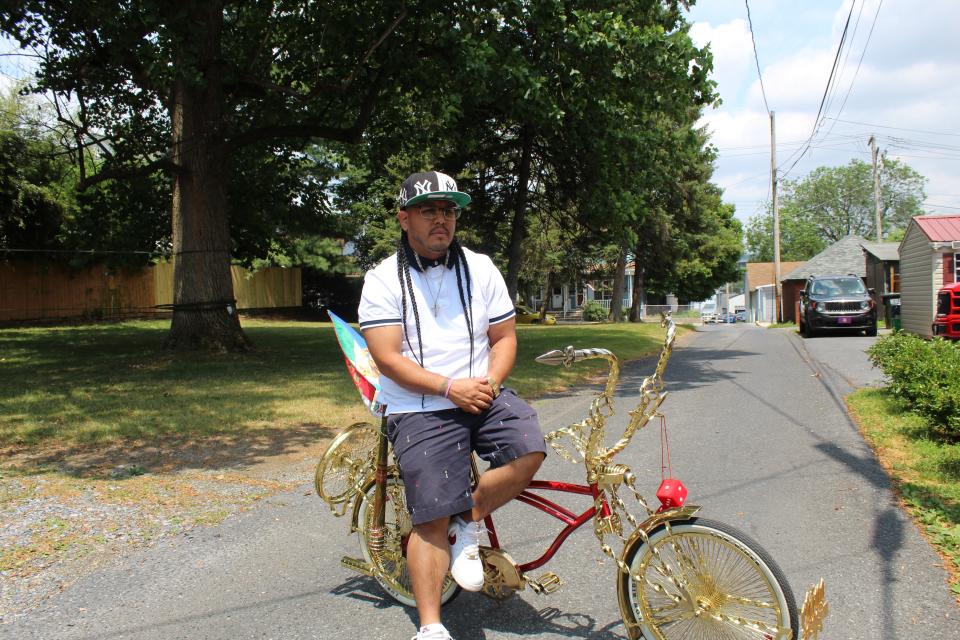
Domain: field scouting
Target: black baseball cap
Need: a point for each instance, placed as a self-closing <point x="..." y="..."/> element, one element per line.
<point x="430" y="185"/>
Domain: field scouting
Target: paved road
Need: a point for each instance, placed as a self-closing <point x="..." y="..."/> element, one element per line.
<point x="758" y="432"/>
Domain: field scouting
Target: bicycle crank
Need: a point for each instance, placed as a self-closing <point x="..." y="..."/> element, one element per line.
<point x="358" y="565"/>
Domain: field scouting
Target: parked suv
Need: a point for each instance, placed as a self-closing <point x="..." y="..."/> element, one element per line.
<point x="836" y="302"/>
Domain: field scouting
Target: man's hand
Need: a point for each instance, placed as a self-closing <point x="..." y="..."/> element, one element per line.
<point x="473" y="395"/>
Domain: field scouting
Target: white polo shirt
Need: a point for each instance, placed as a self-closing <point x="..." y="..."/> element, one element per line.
<point x="446" y="342"/>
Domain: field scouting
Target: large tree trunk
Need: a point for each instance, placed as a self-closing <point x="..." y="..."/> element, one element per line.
<point x="619" y="282"/>
<point x="637" y="300"/>
<point x="204" y="313"/>
<point x="519" y="230"/>
<point x="546" y="297"/>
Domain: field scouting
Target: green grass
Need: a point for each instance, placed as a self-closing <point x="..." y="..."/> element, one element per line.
<point x="783" y="325"/>
<point x="96" y="384"/>
<point x="925" y="468"/>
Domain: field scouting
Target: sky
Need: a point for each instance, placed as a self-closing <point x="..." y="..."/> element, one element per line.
<point x="905" y="91"/>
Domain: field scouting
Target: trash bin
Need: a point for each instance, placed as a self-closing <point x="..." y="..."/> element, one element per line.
<point x="891" y="306"/>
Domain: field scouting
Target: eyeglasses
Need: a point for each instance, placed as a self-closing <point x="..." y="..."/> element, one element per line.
<point x="431" y="212"/>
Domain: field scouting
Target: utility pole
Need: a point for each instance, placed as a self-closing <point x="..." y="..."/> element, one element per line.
<point x="776" y="219"/>
<point x="876" y="188"/>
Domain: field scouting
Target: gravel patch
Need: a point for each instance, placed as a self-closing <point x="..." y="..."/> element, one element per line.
<point x="56" y="528"/>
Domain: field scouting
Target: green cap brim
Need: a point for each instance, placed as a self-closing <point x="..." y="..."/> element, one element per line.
<point x="458" y="197"/>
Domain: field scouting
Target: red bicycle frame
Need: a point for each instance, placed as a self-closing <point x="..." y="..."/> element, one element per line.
<point x="572" y="520"/>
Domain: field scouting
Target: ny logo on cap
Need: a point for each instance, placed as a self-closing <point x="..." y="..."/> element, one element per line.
<point x="422" y="187"/>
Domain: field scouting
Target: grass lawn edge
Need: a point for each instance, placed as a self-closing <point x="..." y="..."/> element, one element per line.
<point x="932" y="521"/>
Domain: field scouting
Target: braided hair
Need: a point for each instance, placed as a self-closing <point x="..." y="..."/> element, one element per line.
<point x="455" y="255"/>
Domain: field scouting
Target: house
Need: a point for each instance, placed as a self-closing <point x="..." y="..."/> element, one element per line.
<point x="843" y="257"/>
<point x="883" y="267"/>
<point x="758" y="283"/>
<point x="929" y="259"/>
<point x="567" y="298"/>
<point x="570" y="296"/>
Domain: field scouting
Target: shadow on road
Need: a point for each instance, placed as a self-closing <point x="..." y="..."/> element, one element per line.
<point x="472" y="616"/>
<point x="888" y="528"/>
<point x="171" y="454"/>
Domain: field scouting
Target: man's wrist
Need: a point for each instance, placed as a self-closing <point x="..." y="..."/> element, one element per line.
<point x="494" y="385"/>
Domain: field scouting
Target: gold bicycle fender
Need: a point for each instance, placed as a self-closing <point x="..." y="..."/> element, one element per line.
<point x="644" y="529"/>
<point x="369" y="481"/>
<point x="655" y="520"/>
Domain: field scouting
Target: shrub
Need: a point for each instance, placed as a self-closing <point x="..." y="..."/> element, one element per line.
<point x="592" y="311"/>
<point x="925" y="373"/>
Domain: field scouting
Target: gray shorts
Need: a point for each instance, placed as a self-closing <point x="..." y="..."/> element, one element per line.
<point x="433" y="451"/>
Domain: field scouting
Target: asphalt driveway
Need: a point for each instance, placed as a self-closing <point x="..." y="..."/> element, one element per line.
<point x="758" y="432"/>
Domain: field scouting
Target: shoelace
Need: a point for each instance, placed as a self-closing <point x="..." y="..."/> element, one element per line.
<point x="474" y="530"/>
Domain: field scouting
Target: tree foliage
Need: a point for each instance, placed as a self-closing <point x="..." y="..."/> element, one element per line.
<point x="567" y="135"/>
<point x="219" y="131"/>
<point x="221" y="99"/>
<point x="833" y="202"/>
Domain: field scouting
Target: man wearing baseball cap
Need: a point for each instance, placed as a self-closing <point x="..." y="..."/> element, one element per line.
<point x="440" y="325"/>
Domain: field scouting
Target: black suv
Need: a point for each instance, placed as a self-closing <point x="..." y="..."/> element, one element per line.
<point x="836" y="302"/>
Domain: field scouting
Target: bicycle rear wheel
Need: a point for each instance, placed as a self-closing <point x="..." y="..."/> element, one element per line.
<point x="703" y="579"/>
<point x="390" y="563"/>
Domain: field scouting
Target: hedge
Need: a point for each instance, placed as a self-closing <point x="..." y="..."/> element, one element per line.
<point x="924" y="373"/>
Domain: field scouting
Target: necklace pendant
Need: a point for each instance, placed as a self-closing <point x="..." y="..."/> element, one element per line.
<point x="436" y="309"/>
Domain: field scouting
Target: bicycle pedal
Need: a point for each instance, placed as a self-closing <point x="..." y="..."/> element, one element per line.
<point x="547" y="583"/>
<point x="357" y="565"/>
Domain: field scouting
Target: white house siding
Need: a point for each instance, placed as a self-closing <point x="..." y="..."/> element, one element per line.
<point x="763" y="303"/>
<point x="917" y="264"/>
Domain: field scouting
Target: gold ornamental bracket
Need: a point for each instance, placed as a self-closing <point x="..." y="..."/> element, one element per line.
<point x="815" y="609"/>
<point x="587" y="436"/>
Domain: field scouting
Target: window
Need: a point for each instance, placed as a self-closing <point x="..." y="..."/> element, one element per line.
<point x="956" y="267"/>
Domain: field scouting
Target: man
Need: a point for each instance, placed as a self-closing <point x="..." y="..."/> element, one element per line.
<point x="440" y="326"/>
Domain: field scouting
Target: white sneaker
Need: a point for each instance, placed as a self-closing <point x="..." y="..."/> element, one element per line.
<point x="432" y="632"/>
<point x="465" y="564"/>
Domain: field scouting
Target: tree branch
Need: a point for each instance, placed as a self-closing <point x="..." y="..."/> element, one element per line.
<point x="349" y="135"/>
<point x="308" y="129"/>
<point x="120" y="173"/>
<point x="376" y="45"/>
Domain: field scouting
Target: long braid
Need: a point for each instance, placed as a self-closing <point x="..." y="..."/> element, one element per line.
<point x="406" y="284"/>
<point x="466" y="303"/>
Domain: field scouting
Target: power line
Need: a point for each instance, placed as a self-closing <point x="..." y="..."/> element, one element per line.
<point x="826" y="93"/>
<point x="881" y="126"/>
<point x="756" y="58"/>
<point x="860" y="62"/>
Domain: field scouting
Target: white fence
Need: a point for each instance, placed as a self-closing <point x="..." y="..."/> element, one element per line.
<point x="682" y="313"/>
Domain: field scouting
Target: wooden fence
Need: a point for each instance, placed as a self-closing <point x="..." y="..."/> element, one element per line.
<point x="41" y="292"/>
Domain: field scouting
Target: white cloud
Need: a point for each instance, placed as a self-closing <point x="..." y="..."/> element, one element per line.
<point x="906" y="80"/>
<point x="732" y="52"/>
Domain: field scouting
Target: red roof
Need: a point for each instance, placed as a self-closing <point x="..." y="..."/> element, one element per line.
<point x="940" y="228"/>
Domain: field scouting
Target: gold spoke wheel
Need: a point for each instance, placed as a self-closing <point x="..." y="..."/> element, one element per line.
<point x="347" y="461"/>
<point x="700" y="579"/>
<point x="390" y="564"/>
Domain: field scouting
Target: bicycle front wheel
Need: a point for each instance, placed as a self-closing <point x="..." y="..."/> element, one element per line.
<point x="698" y="578"/>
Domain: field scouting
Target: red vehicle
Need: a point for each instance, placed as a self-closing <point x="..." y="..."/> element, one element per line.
<point x="946" y="324"/>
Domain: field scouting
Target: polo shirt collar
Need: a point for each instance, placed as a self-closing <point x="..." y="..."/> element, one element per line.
<point x="416" y="261"/>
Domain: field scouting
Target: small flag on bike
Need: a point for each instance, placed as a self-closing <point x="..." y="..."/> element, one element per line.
<point x="362" y="368"/>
